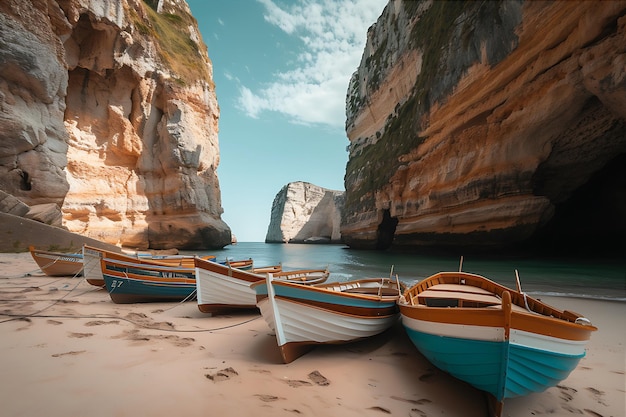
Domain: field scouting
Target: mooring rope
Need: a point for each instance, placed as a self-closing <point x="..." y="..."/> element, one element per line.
<point x="15" y="317"/>
<point x="37" y="314"/>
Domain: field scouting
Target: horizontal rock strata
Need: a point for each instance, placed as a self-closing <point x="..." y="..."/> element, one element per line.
<point x="479" y="123"/>
<point x="305" y="213"/>
<point x="108" y="110"/>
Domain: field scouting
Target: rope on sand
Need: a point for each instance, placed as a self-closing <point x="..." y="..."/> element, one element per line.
<point x="37" y="314"/>
<point x="103" y="316"/>
<point x="189" y="297"/>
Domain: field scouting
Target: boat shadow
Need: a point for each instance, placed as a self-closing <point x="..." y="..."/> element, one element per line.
<point x="397" y="363"/>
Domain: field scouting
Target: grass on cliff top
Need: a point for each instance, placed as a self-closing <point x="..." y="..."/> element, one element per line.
<point x="377" y="163"/>
<point x="179" y="52"/>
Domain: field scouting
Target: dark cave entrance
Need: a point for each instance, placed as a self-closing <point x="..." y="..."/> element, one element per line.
<point x="386" y="231"/>
<point x="592" y="221"/>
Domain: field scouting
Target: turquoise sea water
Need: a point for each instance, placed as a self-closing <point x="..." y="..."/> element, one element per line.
<point x="587" y="278"/>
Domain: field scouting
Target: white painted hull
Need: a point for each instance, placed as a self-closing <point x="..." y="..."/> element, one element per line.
<point x="218" y="289"/>
<point x="92" y="271"/>
<point x="301" y="323"/>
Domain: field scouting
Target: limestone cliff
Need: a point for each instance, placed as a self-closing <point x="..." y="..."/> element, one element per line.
<point x="488" y="123"/>
<point x="305" y="213"/>
<point x="108" y="109"/>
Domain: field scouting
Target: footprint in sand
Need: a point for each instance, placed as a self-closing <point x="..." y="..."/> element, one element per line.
<point x="132" y="335"/>
<point x="222" y="375"/>
<point x="73" y="352"/>
<point x="80" y="335"/>
<point x="268" y="398"/>
<point x="181" y="341"/>
<point x="136" y="336"/>
<point x="295" y="383"/>
<point x="571" y="410"/>
<point x="597" y="395"/>
<point x="592" y="413"/>
<point x="416" y="412"/>
<point x="24" y="319"/>
<point x="101" y="322"/>
<point x="145" y="321"/>
<point x="567" y="393"/>
<point x="381" y="409"/>
<point x="30" y="289"/>
<point x="426" y="376"/>
<point x="416" y="402"/>
<point x="318" y="378"/>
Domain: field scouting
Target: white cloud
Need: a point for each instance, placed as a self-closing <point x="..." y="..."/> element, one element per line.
<point x="333" y="33"/>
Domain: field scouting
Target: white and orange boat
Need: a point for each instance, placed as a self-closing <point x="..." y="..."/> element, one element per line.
<point x="499" y="340"/>
<point x="58" y="264"/>
<point x="303" y="316"/>
<point x="92" y="256"/>
<point x="222" y="288"/>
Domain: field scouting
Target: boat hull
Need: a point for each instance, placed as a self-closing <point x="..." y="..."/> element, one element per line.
<point x="126" y="290"/>
<point x="58" y="264"/>
<point x="499" y="340"/>
<point x="91" y="266"/>
<point x="93" y="271"/>
<point x="138" y="283"/>
<point x="502" y="368"/>
<point x="222" y="288"/>
<point x="304" y="316"/>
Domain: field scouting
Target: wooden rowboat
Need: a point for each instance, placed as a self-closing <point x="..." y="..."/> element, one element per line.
<point x="499" y="340"/>
<point x="222" y="288"/>
<point x="91" y="258"/>
<point x="150" y="281"/>
<point x="57" y="264"/>
<point x="135" y="282"/>
<point x="305" y="315"/>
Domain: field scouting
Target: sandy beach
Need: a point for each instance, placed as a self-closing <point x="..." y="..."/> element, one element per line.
<point x="67" y="350"/>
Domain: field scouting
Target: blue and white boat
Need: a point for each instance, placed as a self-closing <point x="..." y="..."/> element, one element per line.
<point x="305" y="315"/>
<point x="129" y="282"/>
<point x="222" y="288"/>
<point x="497" y="339"/>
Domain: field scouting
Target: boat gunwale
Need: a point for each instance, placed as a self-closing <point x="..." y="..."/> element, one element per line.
<point x="184" y="261"/>
<point x="325" y="288"/>
<point x="560" y="324"/>
<point x="518" y="298"/>
<point x="226" y="270"/>
<point x="152" y="280"/>
<point x="150" y="267"/>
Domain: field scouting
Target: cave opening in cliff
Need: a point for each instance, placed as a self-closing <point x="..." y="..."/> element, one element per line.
<point x="386" y="231"/>
<point x="25" y="183"/>
<point x="592" y="221"/>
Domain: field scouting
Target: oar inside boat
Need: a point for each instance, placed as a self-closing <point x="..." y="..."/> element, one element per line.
<point x="382" y="282"/>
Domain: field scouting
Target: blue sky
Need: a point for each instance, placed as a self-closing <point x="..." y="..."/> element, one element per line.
<point x="281" y="71"/>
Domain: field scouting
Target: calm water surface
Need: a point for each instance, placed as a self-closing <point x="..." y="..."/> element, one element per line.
<point x="601" y="278"/>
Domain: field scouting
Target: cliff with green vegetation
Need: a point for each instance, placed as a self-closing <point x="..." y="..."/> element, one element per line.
<point x="488" y="124"/>
<point x="109" y="112"/>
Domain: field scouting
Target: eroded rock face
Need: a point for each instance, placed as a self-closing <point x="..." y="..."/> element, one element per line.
<point x="109" y="111"/>
<point x="305" y="213"/>
<point x="478" y="124"/>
